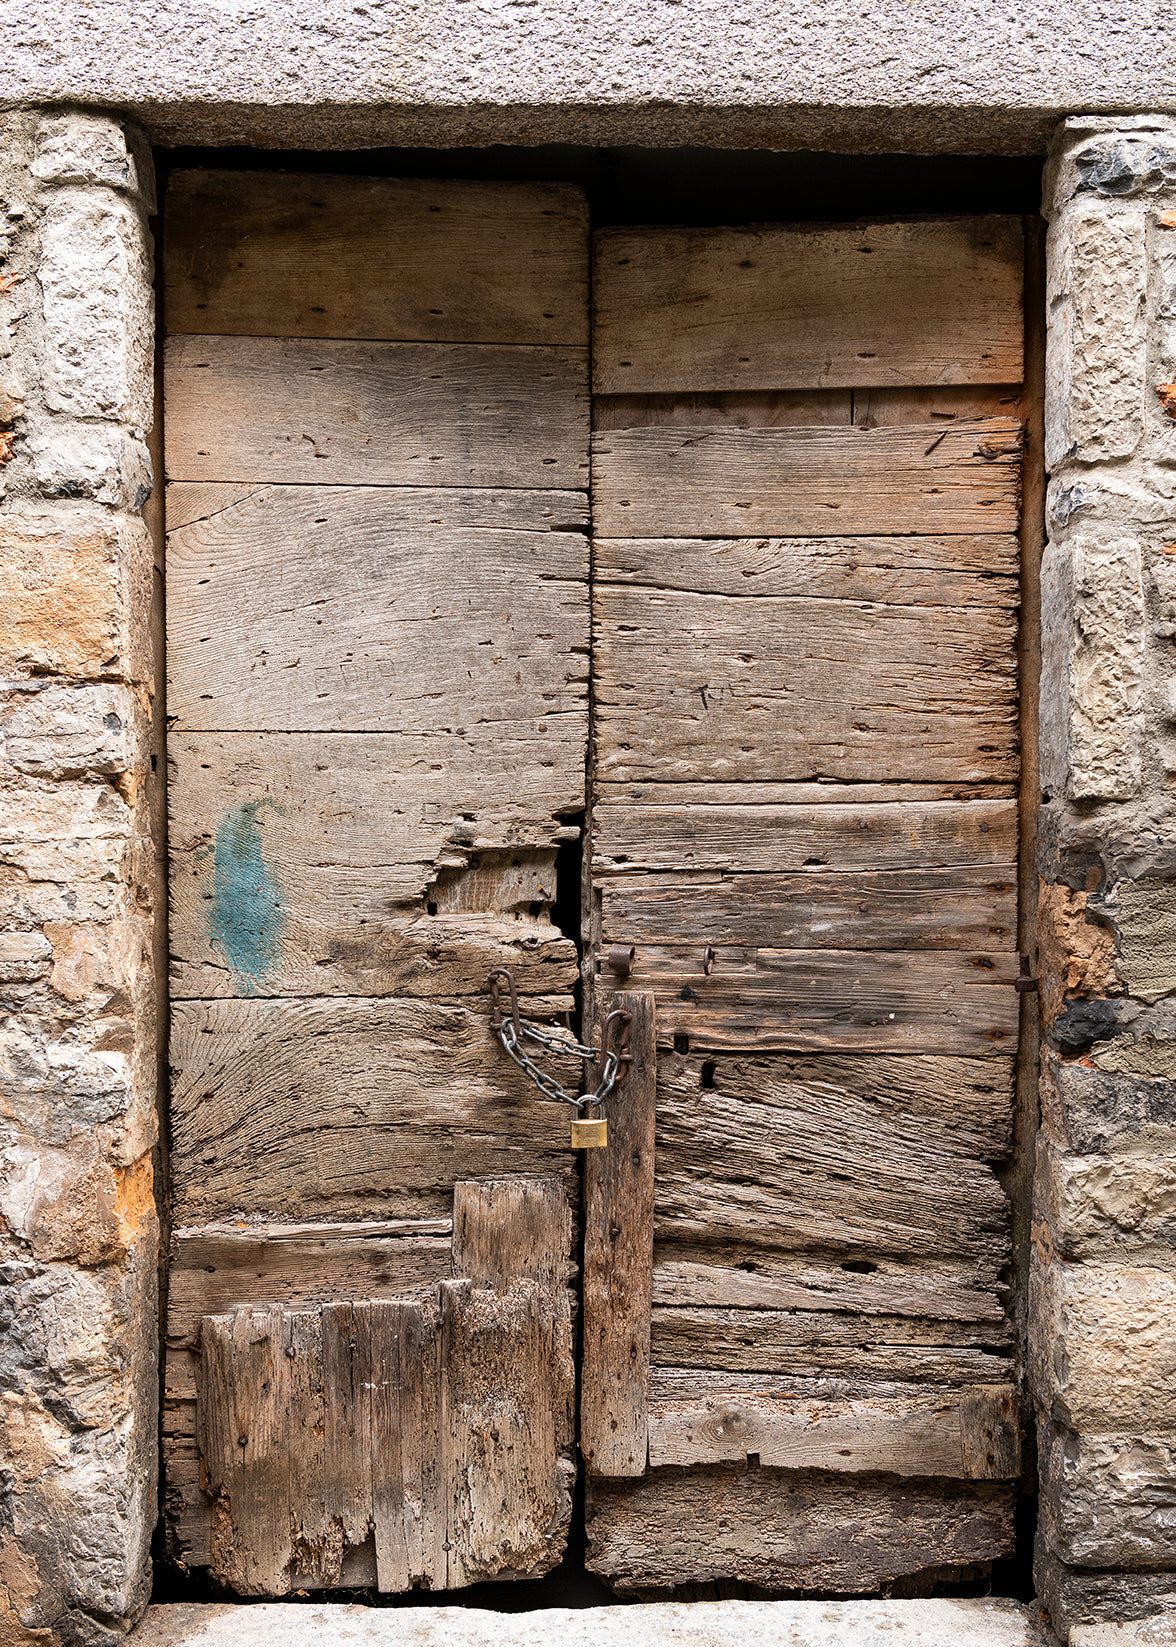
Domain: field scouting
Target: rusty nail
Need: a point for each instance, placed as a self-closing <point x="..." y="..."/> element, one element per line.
<point x="1026" y="983"/>
<point x="621" y="958"/>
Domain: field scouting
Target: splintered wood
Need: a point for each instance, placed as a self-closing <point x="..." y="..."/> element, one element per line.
<point x="378" y="651"/>
<point x="804" y="825"/>
<point x="399" y="1442"/>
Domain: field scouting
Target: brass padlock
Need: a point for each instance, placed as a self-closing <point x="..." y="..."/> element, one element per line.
<point x="590" y="1133"/>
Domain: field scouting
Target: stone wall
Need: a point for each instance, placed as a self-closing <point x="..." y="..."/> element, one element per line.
<point x="1103" y="1295"/>
<point x="78" y="1228"/>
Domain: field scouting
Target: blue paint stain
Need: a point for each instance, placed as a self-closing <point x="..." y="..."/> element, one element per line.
<point x="248" y="907"/>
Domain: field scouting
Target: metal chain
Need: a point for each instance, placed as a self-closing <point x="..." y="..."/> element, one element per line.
<point x="511" y="1029"/>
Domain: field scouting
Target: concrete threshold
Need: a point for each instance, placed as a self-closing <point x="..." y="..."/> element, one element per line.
<point x="985" y="1623"/>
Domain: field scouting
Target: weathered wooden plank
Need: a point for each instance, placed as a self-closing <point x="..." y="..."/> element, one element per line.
<point x="702" y="309"/>
<point x="505" y="1229"/>
<point x="413" y="508"/>
<point x="896" y="1349"/>
<point x="400" y="1513"/>
<point x="914" y="571"/>
<point x="213" y="1269"/>
<point x="333" y="412"/>
<point x="789" y="1530"/>
<point x="323" y="863"/>
<point x="689" y="687"/>
<point x="858" y="1157"/>
<point x="315" y="608"/>
<point x="349" y="1379"/>
<point x="758" y="1277"/>
<point x="792" y="1000"/>
<point x="968" y="906"/>
<point x="938" y="403"/>
<point x="618" y="1261"/>
<point x="507" y="1387"/>
<point x="261" y="1411"/>
<point x="665" y="482"/>
<point x="759" y="409"/>
<point x="274" y="254"/>
<point x="907" y="1436"/>
<point x="644" y="832"/>
<point x="347" y="1108"/>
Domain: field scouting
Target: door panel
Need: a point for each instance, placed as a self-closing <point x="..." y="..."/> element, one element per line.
<point x="804" y="827"/>
<point x="378" y="630"/>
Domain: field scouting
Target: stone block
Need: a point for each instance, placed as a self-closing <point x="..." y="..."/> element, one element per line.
<point x="1145" y="915"/>
<point x="52" y="731"/>
<point x="99" y="313"/>
<point x="1093" y="636"/>
<point x="1152" y="1632"/>
<point x="1071" y="1596"/>
<point x="1109" y="1500"/>
<point x="72" y="1202"/>
<point x="1086" y="1109"/>
<point x="1147" y="1049"/>
<point x="1121" y="1204"/>
<point x="78" y="146"/>
<point x="1096" y="358"/>
<point x="85" y="460"/>
<point x="1102" y="1349"/>
<point x="75" y="588"/>
<point x="1113" y="157"/>
<point x="78" y="1360"/>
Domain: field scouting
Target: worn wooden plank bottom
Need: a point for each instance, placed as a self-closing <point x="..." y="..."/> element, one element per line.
<point x="791" y="1529"/>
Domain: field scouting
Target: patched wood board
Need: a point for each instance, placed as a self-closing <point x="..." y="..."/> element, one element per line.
<point x="773" y="308"/>
<point x="740" y="409"/>
<point x="315" y="608"/>
<point x="750" y="1275"/>
<point x="815" y="1000"/>
<point x="789" y="1529"/>
<point x="913" y="571"/>
<point x="861" y="1157"/>
<point x="351" y="1108"/>
<point x="304" y="255"/>
<point x="689" y="687"/>
<point x="724" y="482"/>
<point x="970" y="1434"/>
<point x="332" y="412"/>
<point x="307" y="864"/>
<point x="966" y="906"/>
<point x="647" y="827"/>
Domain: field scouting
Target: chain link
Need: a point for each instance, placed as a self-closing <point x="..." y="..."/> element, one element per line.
<point x="512" y="1029"/>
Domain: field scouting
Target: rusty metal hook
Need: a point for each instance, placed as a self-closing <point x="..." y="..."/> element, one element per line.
<point x="496" y="999"/>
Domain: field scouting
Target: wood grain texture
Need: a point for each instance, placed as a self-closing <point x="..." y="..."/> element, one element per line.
<point x="618" y="1261"/>
<point x="306" y="255"/>
<point x="642" y="827"/>
<point x="968" y="906"/>
<point x="888" y="1349"/>
<point x="331" y="412"/>
<point x="313" y="608"/>
<point x="857" y="1157"/>
<point x="400" y="1508"/>
<point x="914" y="571"/>
<point x="507" y="1392"/>
<point x="350" y="1108"/>
<point x="814" y="1000"/>
<point x="307" y="863"/>
<point x="899" y="1436"/>
<point x="750" y="1275"/>
<point x="215" y="1268"/>
<point x="691" y="687"/>
<point x="723" y="482"/>
<point x="738" y="409"/>
<point x="702" y="309"/>
<point x="410" y="508"/>
<point x="789" y="1529"/>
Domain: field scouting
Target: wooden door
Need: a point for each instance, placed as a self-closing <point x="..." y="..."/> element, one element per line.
<point x="376" y="418"/>
<point x="798" y="1366"/>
